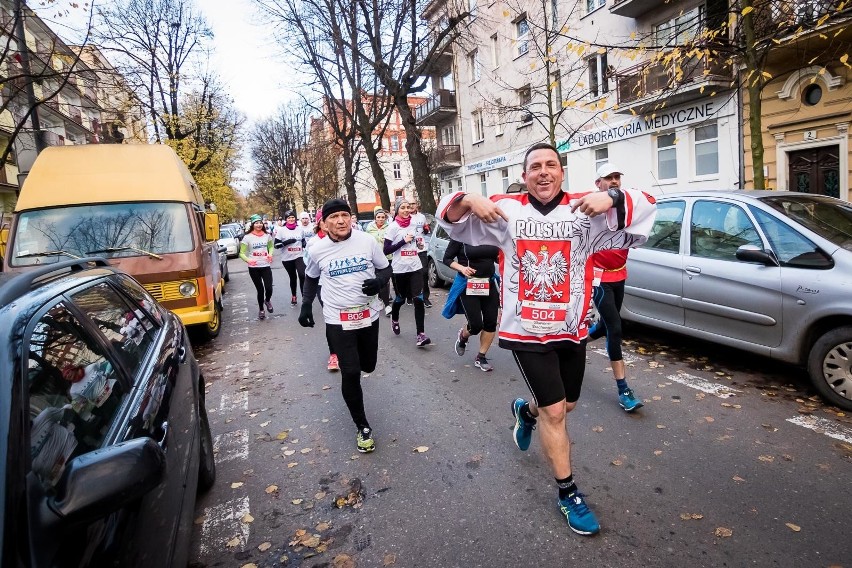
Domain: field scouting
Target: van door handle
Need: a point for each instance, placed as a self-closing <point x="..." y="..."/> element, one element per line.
<point x="693" y="270"/>
<point x="165" y="428"/>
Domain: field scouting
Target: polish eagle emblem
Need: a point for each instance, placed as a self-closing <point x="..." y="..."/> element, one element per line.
<point x="543" y="273"/>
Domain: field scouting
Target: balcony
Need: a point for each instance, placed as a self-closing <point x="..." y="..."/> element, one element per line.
<point x="785" y="17"/>
<point x="635" y="8"/>
<point x="646" y="84"/>
<point x="446" y="157"/>
<point x="52" y="138"/>
<point x="439" y="108"/>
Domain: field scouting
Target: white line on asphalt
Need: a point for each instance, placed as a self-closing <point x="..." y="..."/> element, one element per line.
<point x="238" y="401"/>
<point x="243" y="346"/>
<point x="231" y="446"/>
<point x="704" y="386"/>
<point x="823" y="426"/>
<point x="219" y="527"/>
<point x="628" y="357"/>
<point x="236" y="311"/>
<point x="238" y="331"/>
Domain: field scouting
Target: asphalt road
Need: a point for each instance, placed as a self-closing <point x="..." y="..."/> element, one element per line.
<point x="733" y="461"/>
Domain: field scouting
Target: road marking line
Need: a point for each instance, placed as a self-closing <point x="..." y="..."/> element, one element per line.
<point x="238" y="401"/>
<point x="823" y="426"/>
<point x="243" y="346"/>
<point x="236" y="311"/>
<point x="231" y="446"/>
<point x="218" y="526"/>
<point x="704" y="386"/>
<point x="238" y="331"/>
<point x="627" y="357"/>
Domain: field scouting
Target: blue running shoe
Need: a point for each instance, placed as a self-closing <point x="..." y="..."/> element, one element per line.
<point x="629" y="402"/>
<point x="581" y="519"/>
<point x="522" y="432"/>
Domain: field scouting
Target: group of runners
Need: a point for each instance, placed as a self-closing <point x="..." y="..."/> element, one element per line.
<point x="543" y="240"/>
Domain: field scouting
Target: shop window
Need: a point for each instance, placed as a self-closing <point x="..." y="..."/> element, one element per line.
<point x="707" y="150"/>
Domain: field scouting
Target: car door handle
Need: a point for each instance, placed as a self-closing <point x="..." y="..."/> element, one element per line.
<point x="692" y="269"/>
<point x="181" y="353"/>
<point x="165" y="428"/>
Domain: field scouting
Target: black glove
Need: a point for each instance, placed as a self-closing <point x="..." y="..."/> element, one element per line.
<point x="279" y="243"/>
<point x="371" y="286"/>
<point x="306" y="316"/>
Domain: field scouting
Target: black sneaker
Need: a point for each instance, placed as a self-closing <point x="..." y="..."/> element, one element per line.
<point x="427" y="303"/>
<point x="364" y="441"/>
<point x="269" y="306"/>
<point x="261" y="315"/>
<point x="293" y="300"/>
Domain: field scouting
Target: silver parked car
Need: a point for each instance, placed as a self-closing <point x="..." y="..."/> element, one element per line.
<point x="439" y="273"/>
<point x="768" y="272"/>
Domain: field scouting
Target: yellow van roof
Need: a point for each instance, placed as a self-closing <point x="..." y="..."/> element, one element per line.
<point x="107" y="173"/>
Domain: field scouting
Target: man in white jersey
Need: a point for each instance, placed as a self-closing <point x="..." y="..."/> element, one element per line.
<point x="351" y="268"/>
<point x="547" y="237"/>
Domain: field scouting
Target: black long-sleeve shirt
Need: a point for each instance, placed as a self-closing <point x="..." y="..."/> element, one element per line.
<point x="480" y="257"/>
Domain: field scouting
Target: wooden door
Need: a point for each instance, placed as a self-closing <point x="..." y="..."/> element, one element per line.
<point x="816" y="170"/>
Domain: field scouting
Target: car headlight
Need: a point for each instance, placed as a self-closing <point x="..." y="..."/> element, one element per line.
<point x="187" y="289"/>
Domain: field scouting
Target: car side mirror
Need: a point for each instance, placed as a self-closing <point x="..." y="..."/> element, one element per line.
<point x="752" y="253"/>
<point x="223" y="248"/>
<point x="103" y="481"/>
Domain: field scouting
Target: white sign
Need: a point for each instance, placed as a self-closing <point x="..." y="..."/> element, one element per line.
<point x="810" y="135"/>
<point x="485" y="165"/>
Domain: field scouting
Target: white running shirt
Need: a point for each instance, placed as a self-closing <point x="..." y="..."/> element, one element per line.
<point x="293" y="250"/>
<point x="405" y="259"/>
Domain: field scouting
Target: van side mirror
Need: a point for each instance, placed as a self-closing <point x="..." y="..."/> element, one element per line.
<point x="211" y="226"/>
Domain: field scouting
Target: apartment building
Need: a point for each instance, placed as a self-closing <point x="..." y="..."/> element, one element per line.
<point x="60" y="84"/>
<point x="594" y="76"/>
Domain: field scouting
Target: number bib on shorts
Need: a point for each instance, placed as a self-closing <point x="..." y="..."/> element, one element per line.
<point x="477" y="287"/>
<point x="355" y="318"/>
<point x="544" y="292"/>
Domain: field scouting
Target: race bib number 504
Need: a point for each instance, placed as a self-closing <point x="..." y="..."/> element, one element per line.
<point x="544" y="293"/>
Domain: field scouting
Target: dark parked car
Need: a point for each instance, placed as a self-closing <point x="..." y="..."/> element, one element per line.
<point x="769" y="272"/>
<point x="104" y="436"/>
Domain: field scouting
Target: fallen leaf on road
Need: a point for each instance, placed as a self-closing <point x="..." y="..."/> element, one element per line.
<point x="597" y="429"/>
<point x="658" y="452"/>
<point x="390" y="559"/>
<point x="324" y="526"/>
<point x="319" y="495"/>
<point x="792" y="527"/>
<point x="726" y="404"/>
<point x="326" y="387"/>
<point x="236" y="485"/>
<point x="289" y="452"/>
<point x="265" y="424"/>
<point x="324" y="420"/>
<point x="343" y="561"/>
<point x="292" y="464"/>
<point x="264" y="546"/>
<point x="766" y="458"/>
<point x="737" y="478"/>
<point x="691" y="516"/>
<point x="700" y="396"/>
<point x="723" y="532"/>
<point x="306" y="450"/>
<point x="421" y="449"/>
<point x="297" y="501"/>
<point x="616" y="462"/>
<point x="709" y="419"/>
<point x="233" y="542"/>
<point x="272" y="489"/>
<point x="247" y="518"/>
<point x="661" y="426"/>
<point x="256" y="353"/>
<point x="249" y="565"/>
<point x="787" y="457"/>
<point x="282" y="435"/>
<point x="656" y="398"/>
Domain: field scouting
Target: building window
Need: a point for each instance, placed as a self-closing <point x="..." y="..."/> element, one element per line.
<point x="522" y="35"/>
<point x="474" y="67"/>
<point x="812" y="94"/>
<point x="478" y="126"/>
<point x="601" y="157"/>
<point x="495" y="52"/>
<point x="394" y="142"/>
<point x="666" y="156"/>
<point x="556" y="90"/>
<point x="681" y="29"/>
<point x="498" y="117"/>
<point x="448" y="135"/>
<point x="592" y="5"/>
<point x="397" y="171"/>
<point x="504" y="177"/>
<point x="447" y="82"/>
<point x="598" y="81"/>
<point x="483" y="185"/>
<point x="524" y="98"/>
<point x="706" y="150"/>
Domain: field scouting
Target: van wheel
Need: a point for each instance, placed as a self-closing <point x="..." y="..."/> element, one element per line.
<point x="206" y="459"/>
<point x="830" y="366"/>
<point x="210" y="331"/>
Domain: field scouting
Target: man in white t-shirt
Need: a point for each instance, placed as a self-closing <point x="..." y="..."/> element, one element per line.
<point x="351" y="268"/>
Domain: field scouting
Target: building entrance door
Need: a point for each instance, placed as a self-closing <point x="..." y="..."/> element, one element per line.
<point x="816" y="170"/>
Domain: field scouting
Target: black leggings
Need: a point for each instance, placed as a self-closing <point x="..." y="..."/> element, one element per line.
<point x="293" y="267"/>
<point x="481" y="311"/>
<point x="409" y="285"/>
<point x="424" y="263"/>
<point x="357" y="351"/>
<point x="554" y="375"/>
<point x="608" y="298"/>
<point x="262" y="279"/>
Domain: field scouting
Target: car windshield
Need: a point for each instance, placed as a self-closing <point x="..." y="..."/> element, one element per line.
<point x="829" y="218"/>
<point x="224" y="234"/>
<point x="113" y="229"/>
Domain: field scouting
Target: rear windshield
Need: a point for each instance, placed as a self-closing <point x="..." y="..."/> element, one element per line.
<point x="829" y="218"/>
<point x="130" y="229"/>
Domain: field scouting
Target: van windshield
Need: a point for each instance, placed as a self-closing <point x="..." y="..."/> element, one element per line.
<point x="118" y="229"/>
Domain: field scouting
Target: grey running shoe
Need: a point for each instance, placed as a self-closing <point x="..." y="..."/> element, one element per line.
<point x="461" y="343"/>
<point x="482" y="363"/>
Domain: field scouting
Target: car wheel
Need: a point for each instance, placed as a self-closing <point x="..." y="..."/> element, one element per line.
<point x="830" y="366"/>
<point x="433" y="279"/>
<point x="227" y="273"/>
<point x="206" y="460"/>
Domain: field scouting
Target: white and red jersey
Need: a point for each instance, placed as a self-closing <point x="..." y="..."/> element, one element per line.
<point x="293" y="250"/>
<point x="405" y="259"/>
<point x="547" y="279"/>
<point x="342" y="267"/>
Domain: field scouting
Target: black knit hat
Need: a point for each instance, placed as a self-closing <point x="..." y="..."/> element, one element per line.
<point x="334" y="206"/>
